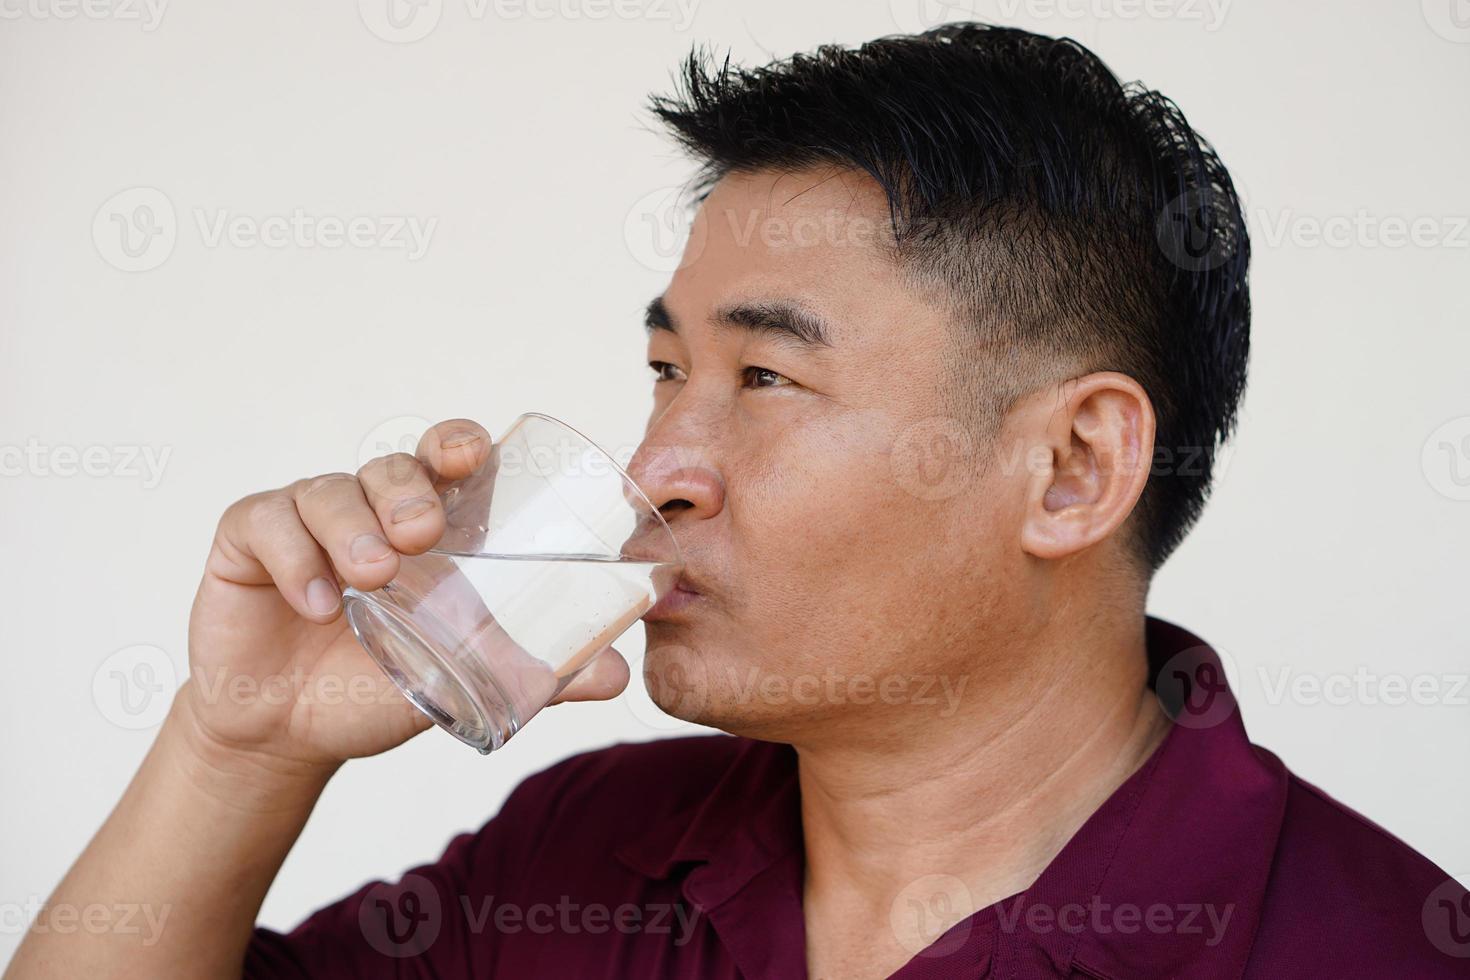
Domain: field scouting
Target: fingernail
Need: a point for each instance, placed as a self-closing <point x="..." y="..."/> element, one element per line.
<point x="409" y="509"/>
<point x="368" y="547"/>
<point x="456" y="439"/>
<point x="322" y="596"/>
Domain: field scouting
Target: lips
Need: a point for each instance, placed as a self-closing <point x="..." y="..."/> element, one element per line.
<point x="676" y="600"/>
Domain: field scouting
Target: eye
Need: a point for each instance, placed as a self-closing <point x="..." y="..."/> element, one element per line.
<point x="760" y="377"/>
<point x="661" y="370"/>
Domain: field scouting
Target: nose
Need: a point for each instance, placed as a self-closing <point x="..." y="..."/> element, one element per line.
<point x="680" y="480"/>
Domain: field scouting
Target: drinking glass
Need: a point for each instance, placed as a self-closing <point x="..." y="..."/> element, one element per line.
<point x="551" y="552"/>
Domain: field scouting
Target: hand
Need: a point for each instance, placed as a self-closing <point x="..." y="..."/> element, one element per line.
<point x="276" y="673"/>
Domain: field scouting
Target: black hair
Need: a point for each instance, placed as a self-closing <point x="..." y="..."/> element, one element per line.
<point x="1076" y="223"/>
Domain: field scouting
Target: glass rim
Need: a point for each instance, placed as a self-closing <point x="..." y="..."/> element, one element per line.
<point x="617" y="467"/>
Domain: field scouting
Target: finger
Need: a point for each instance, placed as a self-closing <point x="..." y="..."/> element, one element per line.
<point x="261" y="540"/>
<point x="336" y="512"/>
<point x="453" y="449"/>
<point x="400" y="491"/>
<point x="603" y="678"/>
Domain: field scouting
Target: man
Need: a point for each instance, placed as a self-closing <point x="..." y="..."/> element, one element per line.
<point x="938" y="386"/>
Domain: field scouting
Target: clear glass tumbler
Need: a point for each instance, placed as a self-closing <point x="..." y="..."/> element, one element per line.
<point x="551" y="552"/>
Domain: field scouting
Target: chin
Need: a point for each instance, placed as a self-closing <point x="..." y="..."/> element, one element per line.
<point x="688" y="685"/>
<point x="704" y="688"/>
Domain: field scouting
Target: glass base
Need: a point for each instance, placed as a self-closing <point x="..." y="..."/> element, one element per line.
<point x="475" y="713"/>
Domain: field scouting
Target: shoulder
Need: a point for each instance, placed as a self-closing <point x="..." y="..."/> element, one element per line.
<point x="1341" y="887"/>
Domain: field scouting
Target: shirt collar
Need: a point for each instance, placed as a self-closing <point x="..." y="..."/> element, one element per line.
<point x="1165" y="879"/>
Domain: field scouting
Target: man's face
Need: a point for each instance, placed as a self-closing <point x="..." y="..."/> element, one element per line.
<point x="847" y="562"/>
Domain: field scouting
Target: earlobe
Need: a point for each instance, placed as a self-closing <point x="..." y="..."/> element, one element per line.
<point x="1097" y="430"/>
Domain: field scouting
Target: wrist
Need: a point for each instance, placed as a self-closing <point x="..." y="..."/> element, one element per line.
<point x="243" y="776"/>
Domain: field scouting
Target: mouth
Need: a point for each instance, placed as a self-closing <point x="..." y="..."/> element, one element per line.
<point x="677" y="600"/>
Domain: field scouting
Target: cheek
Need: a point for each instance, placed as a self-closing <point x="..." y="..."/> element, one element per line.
<point x="829" y="545"/>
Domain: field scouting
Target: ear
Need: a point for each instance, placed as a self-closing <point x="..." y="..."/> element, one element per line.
<point x="1090" y="464"/>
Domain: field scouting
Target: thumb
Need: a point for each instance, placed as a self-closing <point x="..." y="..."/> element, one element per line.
<point x="604" y="677"/>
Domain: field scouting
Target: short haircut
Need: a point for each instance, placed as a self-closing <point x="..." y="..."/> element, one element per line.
<point x="1074" y="223"/>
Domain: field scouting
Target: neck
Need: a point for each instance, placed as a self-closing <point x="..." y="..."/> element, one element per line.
<point x="985" y="797"/>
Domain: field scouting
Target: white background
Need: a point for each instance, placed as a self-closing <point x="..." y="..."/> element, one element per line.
<point x="1335" y="544"/>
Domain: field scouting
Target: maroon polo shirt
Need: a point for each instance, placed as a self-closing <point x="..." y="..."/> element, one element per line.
<point x="684" y="858"/>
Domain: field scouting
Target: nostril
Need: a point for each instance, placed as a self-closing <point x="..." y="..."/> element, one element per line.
<point x="674" y="505"/>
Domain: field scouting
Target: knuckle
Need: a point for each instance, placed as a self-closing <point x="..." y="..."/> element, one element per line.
<point x="274" y="519"/>
<point x="313" y="486"/>
<point x="394" y="471"/>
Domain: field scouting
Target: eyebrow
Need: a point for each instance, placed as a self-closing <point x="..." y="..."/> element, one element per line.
<point x="780" y="319"/>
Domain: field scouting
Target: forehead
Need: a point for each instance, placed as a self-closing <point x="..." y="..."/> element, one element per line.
<point x="818" y="239"/>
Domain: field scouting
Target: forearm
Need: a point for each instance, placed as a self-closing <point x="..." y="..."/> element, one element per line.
<point x="173" y="881"/>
